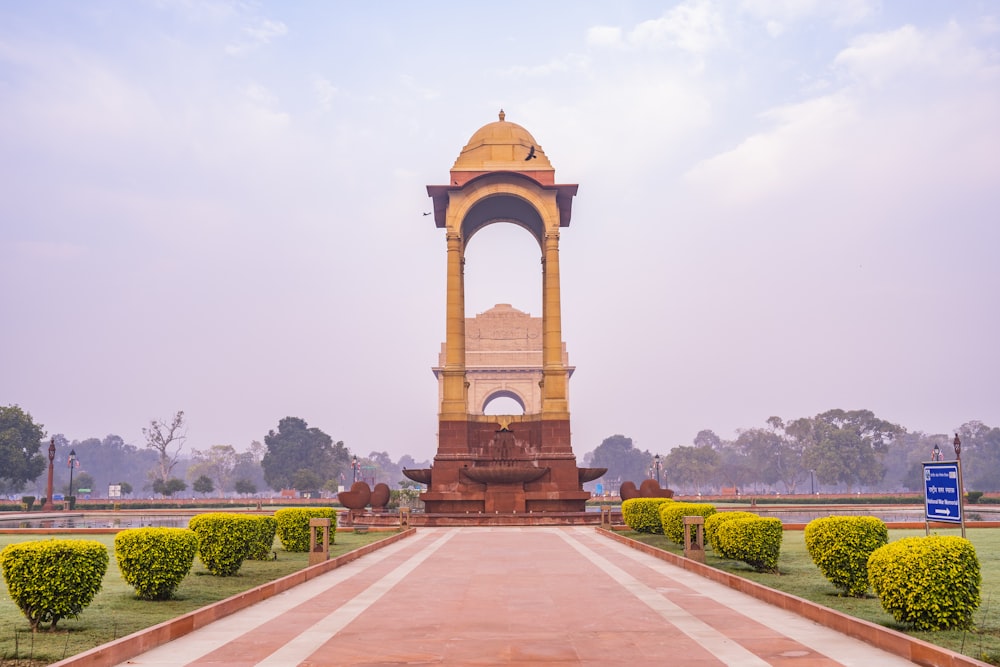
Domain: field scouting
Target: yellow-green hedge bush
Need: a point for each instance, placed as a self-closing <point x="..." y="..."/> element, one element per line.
<point x="155" y="560"/>
<point x="672" y="517"/>
<point x="931" y="583"/>
<point x="840" y="547"/>
<point x="756" y="541"/>
<point x="224" y="540"/>
<point x="643" y="514"/>
<point x="293" y="526"/>
<point x="264" y="528"/>
<point x="53" y="579"/>
<point x="713" y="522"/>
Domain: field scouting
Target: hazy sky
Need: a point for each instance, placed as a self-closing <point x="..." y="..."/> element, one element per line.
<point x="785" y="206"/>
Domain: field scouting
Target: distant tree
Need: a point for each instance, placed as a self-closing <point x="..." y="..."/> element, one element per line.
<point x="217" y="463"/>
<point x="81" y="480"/>
<point x="770" y="458"/>
<point x="245" y="487"/>
<point x="623" y="461"/>
<point x="980" y="455"/>
<point x="256" y="451"/>
<point x="108" y="459"/>
<point x="708" y="438"/>
<point x="733" y="468"/>
<point x="385" y="470"/>
<point x="845" y="447"/>
<point x="248" y="468"/>
<point x="126" y="488"/>
<point x="306" y="481"/>
<point x="693" y="466"/>
<point x="294" y="447"/>
<point x="20" y="444"/>
<point x="203" y="485"/>
<point x="162" y="437"/>
<point x="169" y="487"/>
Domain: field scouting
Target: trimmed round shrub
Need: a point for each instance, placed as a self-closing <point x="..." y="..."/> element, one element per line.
<point x="713" y="522"/>
<point x="224" y="540"/>
<point x="155" y="560"/>
<point x="672" y="517"/>
<point x="931" y="583"/>
<point x="840" y="547"/>
<point x="293" y="526"/>
<point x="264" y="528"/>
<point x="643" y="514"/>
<point x="756" y="541"/>
<point x="53" y="579"/>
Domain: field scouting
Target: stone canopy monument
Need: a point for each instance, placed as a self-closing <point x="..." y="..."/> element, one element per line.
<point x="512" y="463"/>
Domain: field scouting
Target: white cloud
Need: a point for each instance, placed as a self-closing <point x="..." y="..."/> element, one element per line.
<point x="908" y="111"/>
<point x="265" y="30"/>
<point x="603" y="35"/>
<point x="260" y="33"/>
<point x="908" y="52"/>
<point x="571" y="62"/>
<point x="420" y="91"/>
<point x="325" y="91"/>
<point x="778" y="14"/>
<point x="695" y="27"/>
<point x="805" y="140"/>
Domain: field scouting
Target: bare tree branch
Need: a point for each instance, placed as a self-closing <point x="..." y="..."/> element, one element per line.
<point x="160" y="436"/>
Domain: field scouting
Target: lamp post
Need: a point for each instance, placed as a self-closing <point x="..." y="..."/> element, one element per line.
<point x="812" y="482"/>
<point x="354" y="466"/>
<point x="936" y="453"/>
<point x="657" y="460"/>
<point x="961" y="484"/>
<point x="72" y="461"/>
<point x="49" y="506"/>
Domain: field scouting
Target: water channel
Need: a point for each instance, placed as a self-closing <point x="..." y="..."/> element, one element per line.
<point x="788" y="514"/>
<point x="90" y="520"/>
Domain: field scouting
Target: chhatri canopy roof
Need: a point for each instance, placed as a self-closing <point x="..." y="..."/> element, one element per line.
<point x="502" y="146"/>
<point x="505" y="148"/>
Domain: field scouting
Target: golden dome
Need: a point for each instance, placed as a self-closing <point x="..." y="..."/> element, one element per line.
<point x="502" y="146"/>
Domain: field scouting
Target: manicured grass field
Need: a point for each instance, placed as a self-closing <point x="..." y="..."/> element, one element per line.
<point x="799" y="576"/>
<point x="115" y="612"/>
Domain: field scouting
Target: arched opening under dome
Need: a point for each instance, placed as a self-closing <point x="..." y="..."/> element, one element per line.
<point x="503" y="403"/>
<point x="503" y="265"/>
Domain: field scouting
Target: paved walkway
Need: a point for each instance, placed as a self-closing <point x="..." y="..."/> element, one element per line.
<point x="494" y="596"/>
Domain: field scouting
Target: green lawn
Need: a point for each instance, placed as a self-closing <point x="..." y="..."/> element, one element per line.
<point x="115" y="612"/>
<point x="799" y="576"/>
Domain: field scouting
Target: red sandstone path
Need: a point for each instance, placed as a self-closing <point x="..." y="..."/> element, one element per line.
<point x="496" y="596"/>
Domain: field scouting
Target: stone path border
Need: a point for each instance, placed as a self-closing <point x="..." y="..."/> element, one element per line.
<point x="911" y="648"/>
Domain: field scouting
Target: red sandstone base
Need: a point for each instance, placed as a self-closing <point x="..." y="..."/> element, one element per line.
<point x="523" y="467"/>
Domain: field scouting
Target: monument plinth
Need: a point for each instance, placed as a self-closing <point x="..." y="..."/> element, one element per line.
<point x="516" y="463"/>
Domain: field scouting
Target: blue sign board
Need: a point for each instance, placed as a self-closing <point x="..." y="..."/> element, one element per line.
<point x="941" y="492"/>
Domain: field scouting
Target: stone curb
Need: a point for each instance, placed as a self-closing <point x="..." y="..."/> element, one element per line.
<point x="905" y="646"/>
<point x="129" y="646"/>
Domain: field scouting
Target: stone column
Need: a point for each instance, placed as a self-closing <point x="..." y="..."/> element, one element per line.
<point x="453" y="400"/>
<point x="555" y="404"/>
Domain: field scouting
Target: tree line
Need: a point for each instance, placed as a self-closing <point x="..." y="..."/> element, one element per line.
<point x="294" y="456"/>
<point x="837" y="451"/>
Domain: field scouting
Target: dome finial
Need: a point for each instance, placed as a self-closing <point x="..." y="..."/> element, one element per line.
<point x="502" y="115"/>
